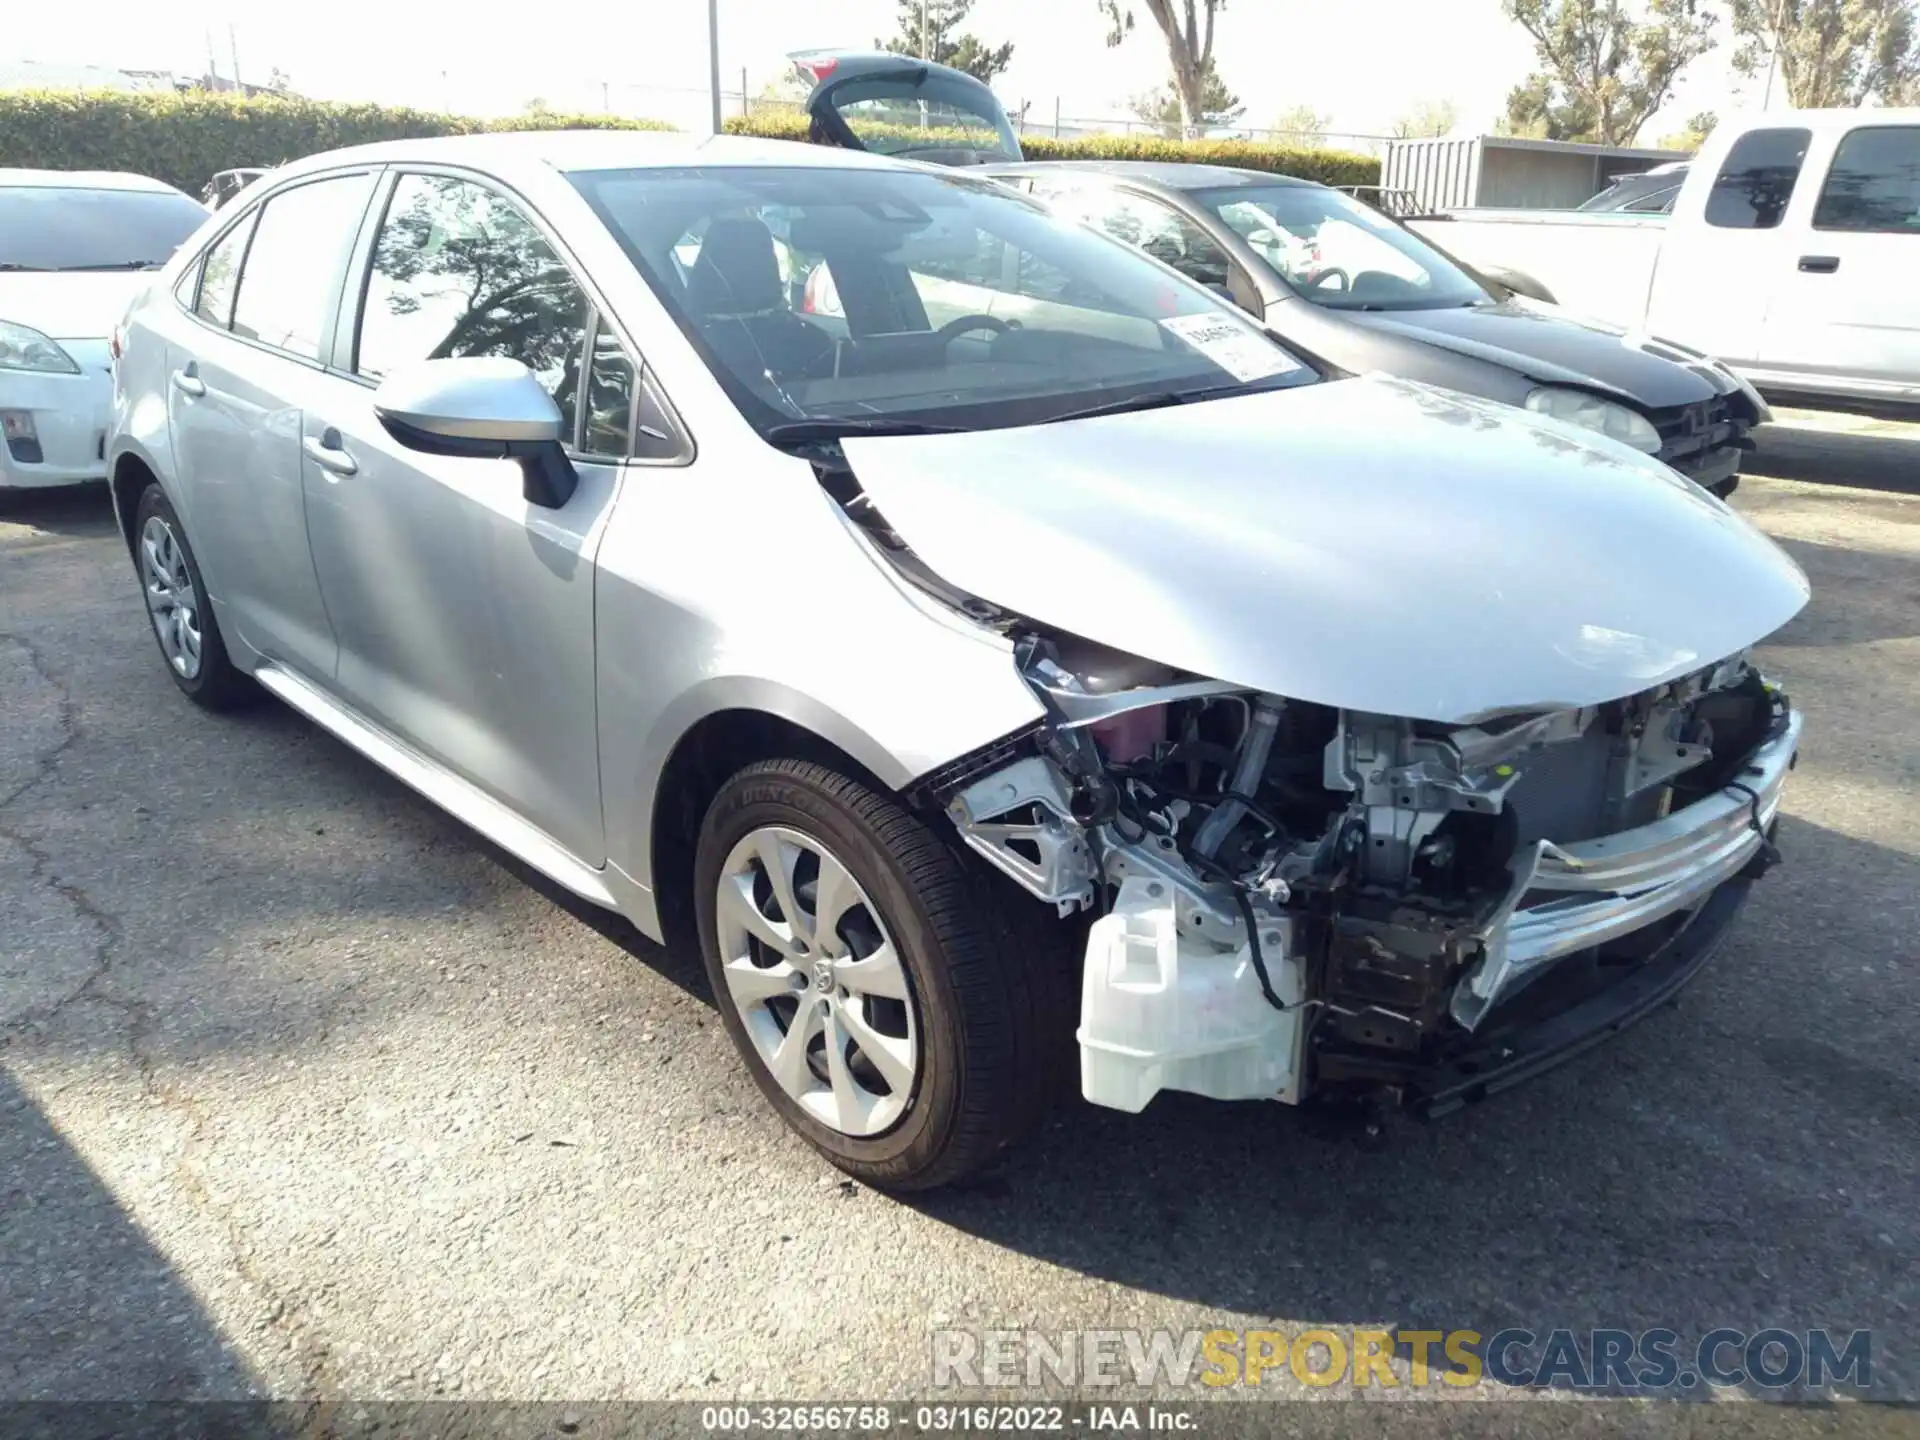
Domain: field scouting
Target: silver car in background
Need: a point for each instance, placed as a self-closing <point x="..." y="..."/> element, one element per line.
<point x="1033" y="650"/>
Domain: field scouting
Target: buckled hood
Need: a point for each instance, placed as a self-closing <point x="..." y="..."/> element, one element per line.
<point x="1368" y="544"/>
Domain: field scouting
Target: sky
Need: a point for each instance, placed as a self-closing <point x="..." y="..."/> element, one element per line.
<point x="1362" y="62"/>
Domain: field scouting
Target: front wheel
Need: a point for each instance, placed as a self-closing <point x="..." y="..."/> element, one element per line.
<point x="869" y="977"/>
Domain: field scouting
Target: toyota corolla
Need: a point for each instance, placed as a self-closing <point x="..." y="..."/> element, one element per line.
<point x="1082" y="675"/>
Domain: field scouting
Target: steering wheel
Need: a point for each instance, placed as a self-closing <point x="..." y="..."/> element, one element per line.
<point x="1320" y="278"/>
<point x="966" y="324"/>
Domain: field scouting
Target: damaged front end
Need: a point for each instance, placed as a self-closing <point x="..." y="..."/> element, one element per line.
<point x="1290" y="899"/>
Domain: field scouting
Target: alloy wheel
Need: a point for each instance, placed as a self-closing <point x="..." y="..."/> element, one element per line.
<point x="167" y="577"/>
<point x="817" y="981"/>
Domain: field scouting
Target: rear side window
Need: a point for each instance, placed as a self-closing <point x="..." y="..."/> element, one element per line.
<point x="1756" y="181"/>
<point x="459" y="271"/>
<point x="1874" y="184"/>
<point x="1148" y="225"/>
<point x="220" y="274"/>
<point x="295" y="265"/>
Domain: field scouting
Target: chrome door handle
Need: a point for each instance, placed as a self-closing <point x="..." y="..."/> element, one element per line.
<point x="188" y="383"/>
<point x="325" y="451"/>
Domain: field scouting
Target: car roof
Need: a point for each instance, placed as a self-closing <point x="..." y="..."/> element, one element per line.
<point x="567" y="150"/>
<point x="82" y="180"/>
<point x="1171" y="174"/>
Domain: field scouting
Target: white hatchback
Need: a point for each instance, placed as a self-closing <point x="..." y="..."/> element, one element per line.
<point x="74" y="246"/>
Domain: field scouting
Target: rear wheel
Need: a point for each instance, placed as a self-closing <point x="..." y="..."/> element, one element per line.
<point x="183" y="619"/>
<point x="868" y="977"/>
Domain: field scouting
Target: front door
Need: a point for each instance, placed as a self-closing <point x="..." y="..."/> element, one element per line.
<point x="1845" y="305"/>
<point x="465" y="613"/>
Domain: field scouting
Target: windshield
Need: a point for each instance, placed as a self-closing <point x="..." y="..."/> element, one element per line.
<point x="930" y="118"/>
<point x="869" y="296"/>
<point x="62" y="228"/>
<point x="1340" y="253"/>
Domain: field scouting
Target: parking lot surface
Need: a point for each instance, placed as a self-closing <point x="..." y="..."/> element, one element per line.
<point x="307" y="1090"/>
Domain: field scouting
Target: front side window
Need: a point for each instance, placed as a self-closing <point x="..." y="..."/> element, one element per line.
<point x="1339" y="252"/>
<point x="1165" y="234"/>
<point x="952" y="299"/>
<point x="1874" y="183"/>
<point x="59" y="227"/>
<point x="459" y="271"/>
<point x="1756" y="180"/>
<point x="292" y="271"/>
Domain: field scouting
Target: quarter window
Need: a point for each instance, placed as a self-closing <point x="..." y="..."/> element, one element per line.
<point x="220" y="274"/>
<point x="1756" y="181"/>
<point x="1874" y="183"/>
<point x="610" y="381"/>
<point x="459" y="271"/>
<point x="294" y="265"/>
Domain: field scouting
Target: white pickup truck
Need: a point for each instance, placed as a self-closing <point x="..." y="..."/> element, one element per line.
<point x="1792" y="253"/>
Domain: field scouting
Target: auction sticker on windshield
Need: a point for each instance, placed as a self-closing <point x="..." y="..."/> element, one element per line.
<point x="1241" y="352"/>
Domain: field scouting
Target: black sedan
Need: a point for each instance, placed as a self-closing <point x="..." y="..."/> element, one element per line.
<point x="1336" y="278"/>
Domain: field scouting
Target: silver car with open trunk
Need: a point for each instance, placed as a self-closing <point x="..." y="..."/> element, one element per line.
<point x="1031" y="660"/>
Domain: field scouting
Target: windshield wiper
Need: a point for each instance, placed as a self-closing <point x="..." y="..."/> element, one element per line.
<point x="16" y="265"/>
<point x="117" y="265"/>
<point x="800" y="432"/>
<point x="1152" y="400"/>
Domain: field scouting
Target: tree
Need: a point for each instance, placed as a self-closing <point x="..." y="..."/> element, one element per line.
<point x="1187" y="28"/>
<point x="1426" y="119"/>
<point x="1699" y="127"/>
<point x="1219" y="105"/>
<point x="1831" y="52"/>
<point x="940" y="44"/>
<point x="1602" y="71"/>
<point x="1302" y="125"/>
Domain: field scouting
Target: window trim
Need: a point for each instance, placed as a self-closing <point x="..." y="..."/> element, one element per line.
<point x="1807" y="142"/>
<point x="347" y="327"/>
<point x="251" y="215"/>
<point x="1813" y="220"/>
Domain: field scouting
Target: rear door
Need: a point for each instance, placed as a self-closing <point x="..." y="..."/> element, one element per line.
<point x="1721" y="258"/>
<point x="1845" y="309"/>
<point x="242" y="375"/>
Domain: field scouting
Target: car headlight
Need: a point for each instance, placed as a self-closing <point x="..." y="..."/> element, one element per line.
<point x="24" y="348"/>
<point x="1590" y="412"/>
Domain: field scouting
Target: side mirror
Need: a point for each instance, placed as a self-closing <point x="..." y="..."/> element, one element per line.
<point x="481" y="408"/>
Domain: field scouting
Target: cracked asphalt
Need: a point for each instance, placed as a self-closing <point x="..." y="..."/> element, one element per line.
<point x="307" y="1091"/>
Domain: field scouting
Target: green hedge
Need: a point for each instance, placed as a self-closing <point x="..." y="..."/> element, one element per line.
<point x="1331" y="167"/>
<point x="184" y="139"/>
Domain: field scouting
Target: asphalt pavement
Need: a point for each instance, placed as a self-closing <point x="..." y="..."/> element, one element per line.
<point x="305" y="1090"/>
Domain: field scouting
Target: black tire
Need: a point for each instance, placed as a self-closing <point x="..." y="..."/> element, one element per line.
<point x="989" y="1021"/>
<point x="216" y="685"/>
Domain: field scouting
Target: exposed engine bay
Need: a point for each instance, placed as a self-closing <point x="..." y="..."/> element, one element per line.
<point x="1289" y="899"/>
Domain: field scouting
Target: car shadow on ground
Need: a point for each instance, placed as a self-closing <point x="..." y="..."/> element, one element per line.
<point x="1737" y="1159"/>
<point x="1867" y="460"/>
<point x="89" y="1309"/>
<point x="77" y="510"/>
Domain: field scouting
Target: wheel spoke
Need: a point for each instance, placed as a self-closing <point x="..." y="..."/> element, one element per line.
<point x="851" y="1104"/>
<point x="891" y="1056"/>
<point x="789" y="1062"/>
<point x="159" y="598"/>
<point x="738" y="905"/>
<point x="778" y="857"/>
<point x="877" y="974"/>
<point x="835" y="894"/>
<point x="750" y="983"/>
<point x="190" y="639"/>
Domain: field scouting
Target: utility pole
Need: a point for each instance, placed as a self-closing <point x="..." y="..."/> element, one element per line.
<point x="713" y="64"/>
<point x="233" y="48"/>
<point x="1773" y="59"/>
<point x="926" y="38"/>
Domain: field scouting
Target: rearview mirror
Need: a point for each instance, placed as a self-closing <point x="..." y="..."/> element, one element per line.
<point x="483" y="407"/>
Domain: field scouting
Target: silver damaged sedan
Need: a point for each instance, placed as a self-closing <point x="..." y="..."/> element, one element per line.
<point x="1020" y="660"/>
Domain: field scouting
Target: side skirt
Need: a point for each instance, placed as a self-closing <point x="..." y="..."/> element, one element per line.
<point x="458" y="797"/>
